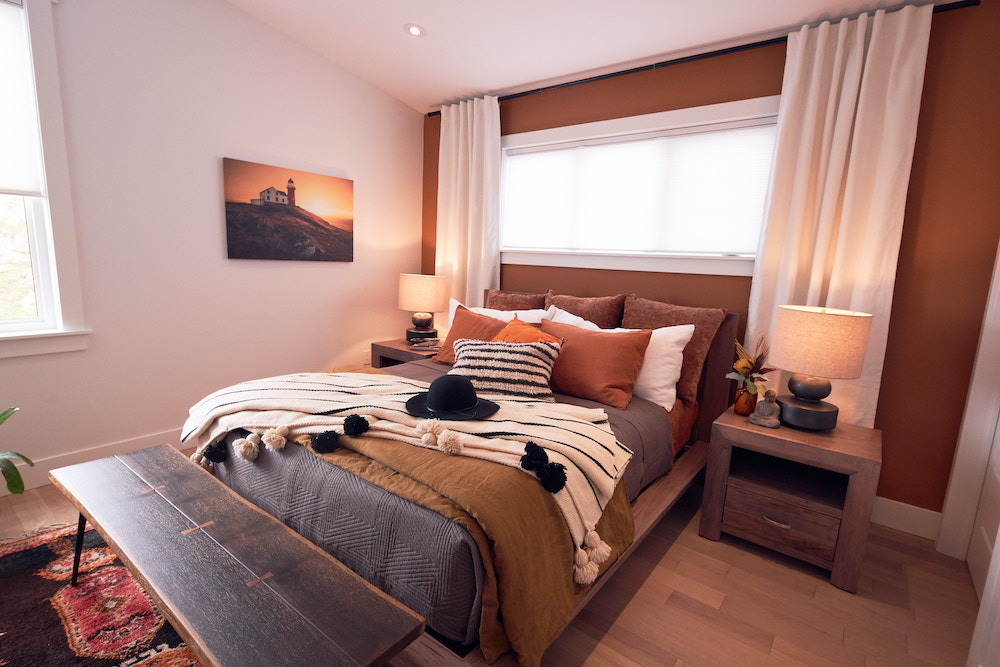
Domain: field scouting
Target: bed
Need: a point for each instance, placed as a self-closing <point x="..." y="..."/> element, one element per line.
<point x="432" y="561"/>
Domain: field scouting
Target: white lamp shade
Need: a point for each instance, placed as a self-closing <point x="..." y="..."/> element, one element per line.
<point x="823" y="342"/>
<point x="423" y="294"/>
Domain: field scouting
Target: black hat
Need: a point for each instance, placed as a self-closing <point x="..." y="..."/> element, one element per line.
<point x="451" y="397"/>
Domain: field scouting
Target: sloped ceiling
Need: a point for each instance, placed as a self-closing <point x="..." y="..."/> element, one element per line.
<point x="473" y="47"/>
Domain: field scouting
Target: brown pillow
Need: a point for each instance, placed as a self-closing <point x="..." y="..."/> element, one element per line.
<point x="498" y="300"/>
<point x="599" y="365"/>
<point x="467" y="324"/>
<point x="517" y="331"/>
<point x="645" y="314"/>
<point x="604" y="311"/>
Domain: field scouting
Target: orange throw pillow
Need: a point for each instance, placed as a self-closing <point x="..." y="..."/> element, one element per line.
<point x="522" y="332"/>
<point x="467" y="324"/>
<point x="599" y="365"/>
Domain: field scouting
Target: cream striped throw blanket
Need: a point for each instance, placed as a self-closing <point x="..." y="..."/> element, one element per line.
<point x="304" y="404"/>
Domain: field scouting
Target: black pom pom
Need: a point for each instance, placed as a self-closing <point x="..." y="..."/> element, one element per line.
<point x="324" y="443"/>
<point x="553" y="477"/>
<point x="534" y="457"/>
<point x="216" y="452"/>
<point x="355" y="425"/>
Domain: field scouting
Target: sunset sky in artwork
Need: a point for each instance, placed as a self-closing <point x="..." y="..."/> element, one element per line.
<point x="329" y="197"/>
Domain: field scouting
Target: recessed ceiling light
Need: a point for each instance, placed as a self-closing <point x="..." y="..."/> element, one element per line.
<point x="414" y="30"/>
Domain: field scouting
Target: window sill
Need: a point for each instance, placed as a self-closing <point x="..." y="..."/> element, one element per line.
<point x="715" y="265"/>
<point x="46" y="342"/>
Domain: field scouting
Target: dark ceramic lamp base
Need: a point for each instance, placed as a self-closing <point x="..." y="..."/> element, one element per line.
<point x="806" y="409"/>
<point x="421" y="328"/>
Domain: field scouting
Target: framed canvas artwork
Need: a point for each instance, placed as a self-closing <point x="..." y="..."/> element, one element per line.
<point x="278" y="213"/>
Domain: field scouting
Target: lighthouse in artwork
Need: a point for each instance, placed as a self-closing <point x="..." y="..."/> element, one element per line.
<point x="291" y="192"/>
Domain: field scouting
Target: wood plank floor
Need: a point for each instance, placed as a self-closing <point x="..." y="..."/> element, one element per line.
<point x="684" y="600"/>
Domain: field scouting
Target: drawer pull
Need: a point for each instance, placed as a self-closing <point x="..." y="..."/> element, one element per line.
<point x="779" y="524"/>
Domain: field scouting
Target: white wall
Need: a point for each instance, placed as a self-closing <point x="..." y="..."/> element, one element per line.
<point x="155" y="94"/>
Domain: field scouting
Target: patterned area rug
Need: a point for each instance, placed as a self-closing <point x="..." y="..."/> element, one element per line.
<point x="106" y="619"/>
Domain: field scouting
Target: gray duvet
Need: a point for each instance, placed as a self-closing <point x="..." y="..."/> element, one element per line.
<point x="413" y="554"/>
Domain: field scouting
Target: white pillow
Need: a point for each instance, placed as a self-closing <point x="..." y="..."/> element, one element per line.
<point x="565" y="317"/>
<point x="534" y="316"/>
<point x="661" y="367"/>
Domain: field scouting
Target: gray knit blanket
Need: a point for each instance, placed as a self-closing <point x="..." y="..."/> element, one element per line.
<point x="289" y="406"/>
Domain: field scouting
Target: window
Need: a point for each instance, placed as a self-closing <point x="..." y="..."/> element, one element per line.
<point x="37" y="248"/>
<point x="675" y="191"/>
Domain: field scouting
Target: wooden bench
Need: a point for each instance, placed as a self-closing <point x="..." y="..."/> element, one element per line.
<point x="239" y="586"/>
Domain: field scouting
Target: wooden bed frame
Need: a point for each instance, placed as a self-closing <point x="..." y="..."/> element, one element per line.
<point x="653" y="503"/>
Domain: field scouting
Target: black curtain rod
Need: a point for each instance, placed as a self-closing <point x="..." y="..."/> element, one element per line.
<point x="959" y="4"/>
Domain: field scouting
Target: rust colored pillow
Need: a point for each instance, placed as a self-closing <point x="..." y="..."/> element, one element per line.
<point x="604" y="311"/>
<point x="598" y="365"/>
<point x="517" y="331"/>
<point x="646" y="314"/>
<point x="498" y="300"/>
<point x="467" y="324"/>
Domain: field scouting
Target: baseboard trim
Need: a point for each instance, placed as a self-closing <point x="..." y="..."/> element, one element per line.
<point x="39" y="474"/>
<point x="907" y="518"/>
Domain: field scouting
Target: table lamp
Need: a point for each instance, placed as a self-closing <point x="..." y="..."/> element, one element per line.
<point x="423" y="295"/>
<point x="816" y="344"/>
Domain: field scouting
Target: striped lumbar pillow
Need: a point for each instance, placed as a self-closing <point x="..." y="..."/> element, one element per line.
<point x="515" y="369"/>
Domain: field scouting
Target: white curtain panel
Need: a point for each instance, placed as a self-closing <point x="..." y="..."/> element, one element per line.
<point x="468" y="218"/>
<point x="846" y="129"/>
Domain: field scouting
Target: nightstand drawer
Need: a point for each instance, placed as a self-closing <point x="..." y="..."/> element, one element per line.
<point x="790" y="527"/>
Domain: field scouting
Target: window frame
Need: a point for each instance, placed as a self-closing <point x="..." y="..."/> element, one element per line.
<point x="740" y="113"/>
<point x="66" y="331"/>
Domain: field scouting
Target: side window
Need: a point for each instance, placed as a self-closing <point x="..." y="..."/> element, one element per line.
<point x="41" y="305"/>
<point x="662" y="188"/>
<point x="25" y="301"/>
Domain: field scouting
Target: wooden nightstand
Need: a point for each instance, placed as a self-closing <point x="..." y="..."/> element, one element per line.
<point x="807" y="494"/>
<point x="392" y="352"/>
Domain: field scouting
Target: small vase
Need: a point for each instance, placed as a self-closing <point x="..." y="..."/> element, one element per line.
<point x="745" y="402"/>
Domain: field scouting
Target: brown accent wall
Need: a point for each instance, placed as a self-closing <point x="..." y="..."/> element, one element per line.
<point x="946" y="256"/>
<point x="729" y="292"/>
<point x="950" y="233"/>
<point x="432" y="139"/>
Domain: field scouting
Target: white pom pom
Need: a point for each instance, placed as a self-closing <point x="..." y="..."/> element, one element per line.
<point x="598" y="549"/>
<point x="450" y="442"/>
<point x="430" y="426"/>
<point x="274" y="439"/>
<point x="600" y="553"/>
<point x="247" y="448"/>
<point x="585" y="574"/>
<point x="581" y="558"/>
<point x="429" y="439"/>
<point x="200" y="460"/>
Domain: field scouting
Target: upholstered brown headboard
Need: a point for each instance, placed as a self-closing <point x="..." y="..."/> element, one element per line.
<point x="713" y="388"/>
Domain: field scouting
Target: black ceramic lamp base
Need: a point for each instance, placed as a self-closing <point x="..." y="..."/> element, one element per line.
<point x="421" y="328"/>
<point x="806" y="409"/>
<point x="810" y="415"/>
<point x="414" y="334"/>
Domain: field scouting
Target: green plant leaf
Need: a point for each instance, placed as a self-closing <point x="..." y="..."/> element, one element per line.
<point x="5" y="415"/>
<point x="739" y="377"/>
<point x="11" y="475"/>
<point x="16" y="455"/>
<point x="751" y="387"/>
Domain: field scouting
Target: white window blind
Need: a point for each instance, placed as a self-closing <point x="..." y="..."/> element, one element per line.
<point x="695" y="188"/>
<point x="20" y="159"/>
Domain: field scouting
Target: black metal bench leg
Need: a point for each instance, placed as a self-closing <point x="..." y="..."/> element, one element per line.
<point x="80" y="527"/>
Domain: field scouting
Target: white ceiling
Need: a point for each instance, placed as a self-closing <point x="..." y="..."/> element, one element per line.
<point x="472" y="47"/>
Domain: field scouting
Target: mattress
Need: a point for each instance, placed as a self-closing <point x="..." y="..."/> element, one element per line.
<point x="417" y="556"/>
